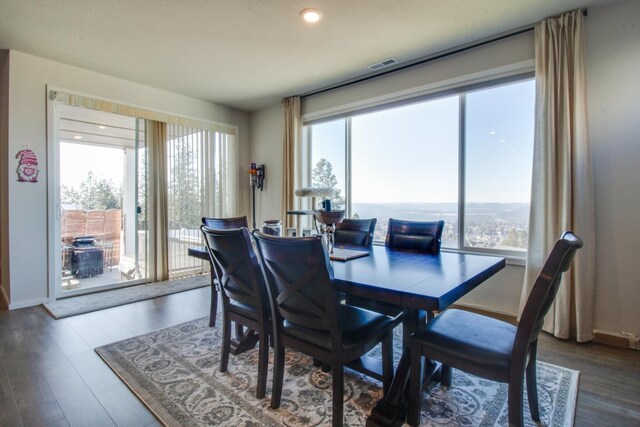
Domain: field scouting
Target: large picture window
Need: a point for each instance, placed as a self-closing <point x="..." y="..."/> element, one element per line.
<point x="462" y="157"/>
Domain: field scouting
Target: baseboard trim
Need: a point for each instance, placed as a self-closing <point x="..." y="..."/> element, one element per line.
<point x="29" y="303"/>
<point x="610" y="338"/>
<point x="616" y="339"/>
<point x="4" y="301"/>
<point x="505" y="317"/>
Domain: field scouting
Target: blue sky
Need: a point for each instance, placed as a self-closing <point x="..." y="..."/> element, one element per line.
<point x="410" y="154"/>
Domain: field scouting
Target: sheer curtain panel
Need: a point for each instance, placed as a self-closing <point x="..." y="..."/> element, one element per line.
<point x="292" y="137"/>
<point x="561" y="194"/>
<point x="158" y="240"/>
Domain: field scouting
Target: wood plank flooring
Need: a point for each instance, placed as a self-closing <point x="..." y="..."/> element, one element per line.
<point x="50" y="375"/>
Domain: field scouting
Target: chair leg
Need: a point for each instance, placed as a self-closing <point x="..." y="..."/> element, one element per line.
<point x="387" y="362"/>
<point x="263" y="361"/>
<point x="226" y="341"/>
<point x="515" y="401"/>
<point x="445" y="375"/>
<point x="532" y="384"/>
<point x="278" y="374"/>
<point x="213" y="311"/>
<point x="337" y="375"/>
<point x="415" y="386"/>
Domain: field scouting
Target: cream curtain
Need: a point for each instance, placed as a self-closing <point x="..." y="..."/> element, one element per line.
<point x="561" y="195"/>
<point x="158" y="201"/>
<point x="292" y="137"/>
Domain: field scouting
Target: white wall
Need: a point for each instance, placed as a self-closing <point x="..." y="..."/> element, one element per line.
<point x="27" y="224"/>
<point x="266" y="148"/>
<point x="613" y="67"/>
<point x="613" y="61"/>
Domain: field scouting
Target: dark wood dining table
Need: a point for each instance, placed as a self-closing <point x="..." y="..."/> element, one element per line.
<point x="421" y="284"/>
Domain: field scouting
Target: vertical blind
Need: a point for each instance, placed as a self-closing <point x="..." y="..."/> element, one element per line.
<point x="200" y="182"/>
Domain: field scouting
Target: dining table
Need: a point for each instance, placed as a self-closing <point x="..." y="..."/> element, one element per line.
<point x="421" y="285"/>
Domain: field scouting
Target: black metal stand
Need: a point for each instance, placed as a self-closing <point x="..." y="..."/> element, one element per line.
<point x="253" y="198"/>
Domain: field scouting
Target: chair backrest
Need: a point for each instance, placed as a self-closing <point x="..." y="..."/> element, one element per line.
<point x="545" y="289"/>
<point x="224" y="223"/>
<point x="355" y="231"/>
<point x="237" y="267"/>
<point x="415" y="235"/>
<point x="299" y="278"/>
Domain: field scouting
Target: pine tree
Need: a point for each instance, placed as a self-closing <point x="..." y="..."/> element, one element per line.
<point x="184" y="186"/>
<point x="93" y="193"/>
<point x="322" y="176"/>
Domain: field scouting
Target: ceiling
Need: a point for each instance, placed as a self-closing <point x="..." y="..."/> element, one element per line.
<point x="93" y="127"/>
<point x="248" y="54"/>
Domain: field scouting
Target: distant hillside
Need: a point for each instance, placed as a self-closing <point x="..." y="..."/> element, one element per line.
<point x="515" y="213"/>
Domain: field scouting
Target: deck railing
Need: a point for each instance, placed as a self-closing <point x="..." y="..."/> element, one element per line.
<point x="180" y="263"/>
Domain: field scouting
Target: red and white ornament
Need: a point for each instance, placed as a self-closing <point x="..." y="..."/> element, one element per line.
<point x="27" y="166"/>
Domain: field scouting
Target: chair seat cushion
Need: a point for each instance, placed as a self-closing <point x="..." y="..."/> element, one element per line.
<point x="246" y="310"/>
<point x="359" y="327"/>
<point x="470" y="342"/>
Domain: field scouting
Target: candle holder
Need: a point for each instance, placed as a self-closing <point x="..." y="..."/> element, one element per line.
<point x="327" y="221"/>
<point x="313" y="193"/>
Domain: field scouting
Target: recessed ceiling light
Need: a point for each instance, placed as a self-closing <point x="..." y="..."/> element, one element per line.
<point x="78" y="136"/>
<point x="311" y="15"/>
<point x="102" y="127"/>
<point x="493" y="132"/>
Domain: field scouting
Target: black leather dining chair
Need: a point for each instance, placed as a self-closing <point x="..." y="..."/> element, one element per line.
<point x="406" y="235"/>
<point x="355" y="231"/>
<point x="308" y="317"/>
<point x="423" y="236"/>
<point x="243" y="293"/>
<point x="491" y="348"/>
<point x="220" y="224"/>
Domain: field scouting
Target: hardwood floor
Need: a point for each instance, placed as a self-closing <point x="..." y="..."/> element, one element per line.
<point x="50" y="375"/>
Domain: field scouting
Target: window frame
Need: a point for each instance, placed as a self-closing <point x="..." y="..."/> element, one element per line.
<point x="513" y="256"/>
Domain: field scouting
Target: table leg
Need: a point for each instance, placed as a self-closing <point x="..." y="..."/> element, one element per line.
<point x="244" y="342"/>
<point x="391" y="410"/>
<point x="239" y="330"/>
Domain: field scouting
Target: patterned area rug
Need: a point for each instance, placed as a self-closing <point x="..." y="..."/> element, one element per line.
<point x="175" y="373"/>
<point x="101" y="300"/>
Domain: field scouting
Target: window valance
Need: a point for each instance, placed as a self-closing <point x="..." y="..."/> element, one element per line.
<point x="127" y="110"/>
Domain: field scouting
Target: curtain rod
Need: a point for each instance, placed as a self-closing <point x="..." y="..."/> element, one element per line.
<point x="424" y="60"/>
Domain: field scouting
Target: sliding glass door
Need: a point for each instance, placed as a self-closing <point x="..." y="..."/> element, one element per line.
<point x="107" y="230"/>
<point x="101" y="199"/>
